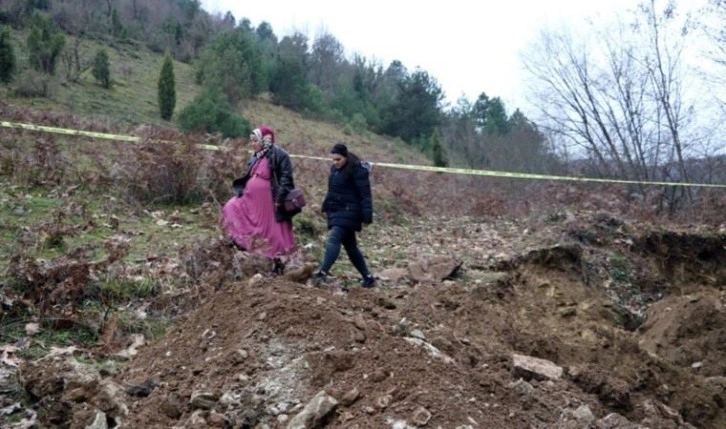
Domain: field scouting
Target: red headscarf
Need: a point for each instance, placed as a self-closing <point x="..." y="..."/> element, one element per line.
<point x="264" y="134"/>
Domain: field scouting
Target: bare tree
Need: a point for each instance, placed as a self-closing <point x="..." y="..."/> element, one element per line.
<point x="578" y="101"/>
<point x="714" y="24"/>
<point x="617" y="96"/>
<point x="664" y="67"/>
<point x="73" y="62"/>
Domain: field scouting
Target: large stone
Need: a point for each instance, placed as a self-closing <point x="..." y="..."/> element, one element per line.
<point x="529" y="367"/>
<point x="616" y="421"/>
<point x="203" y="400"/>
<point x="421" y="416"/>
<point x="393" y="275"/>
<point x="99" y="421"/>
<point x="137" y="340"/>
<point x="436" y="268"/>
<point x="314" y="412"/>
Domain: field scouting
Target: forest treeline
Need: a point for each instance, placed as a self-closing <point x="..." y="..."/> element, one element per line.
<point x="236" y="61"/>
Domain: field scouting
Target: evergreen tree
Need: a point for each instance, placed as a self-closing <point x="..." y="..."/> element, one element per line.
<point x="102" y="68"/>
<point x="45" y="44"/>
<point x="117" y="27"/>
<point x="234" y="63"/>
<point x="491" y="115"/>
<point x="7" y="57"/>
<point x="417" y="109"/>
<point x="497" y="121"/>
<point x="167" y="89"/>
<point x="480" y="109"/>
<point x="438" y="151"/>
<point x="289" y="82"/>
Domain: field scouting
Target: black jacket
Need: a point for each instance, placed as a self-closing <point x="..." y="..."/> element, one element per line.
<point x="349" y="203"/>
<point x="282" y="181"/>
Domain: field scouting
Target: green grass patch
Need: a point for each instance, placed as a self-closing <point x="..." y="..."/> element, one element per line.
<point x="620" y="268"/>
<point x="132" y="98"/>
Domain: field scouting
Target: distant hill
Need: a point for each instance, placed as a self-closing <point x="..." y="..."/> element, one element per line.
<point x="132" y="99"/>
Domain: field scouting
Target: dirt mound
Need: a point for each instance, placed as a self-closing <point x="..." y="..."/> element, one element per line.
<point x="276" y="344"/>
<point x="440" y="354"/>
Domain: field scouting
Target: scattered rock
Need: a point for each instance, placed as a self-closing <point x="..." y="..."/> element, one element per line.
<point x="616" y="421"/>
<point x="203" y="400"/>
<point x="383" y="402"/>
<point x="315" y="412"/>
<point x="142" y="389"/>
<point x="137" y="340"/>
<point x="393" y="275"/>
<point x="378" y="375"/>
<point x="256" y="280"/>
<point x="172" y="407"/>
<point x="99" y="421"/>
<point x="436" y="268"/>
<point x="350" y="397"/>
<point x="421" y="416"/>
<point x="529" y="367"/>
<point x="433" y="351"/>
<point x="216" y="419"/>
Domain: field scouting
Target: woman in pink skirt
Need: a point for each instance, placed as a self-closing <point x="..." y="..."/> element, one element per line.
<point x="255" y="218"/>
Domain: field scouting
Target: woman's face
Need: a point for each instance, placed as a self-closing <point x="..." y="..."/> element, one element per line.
<point x="256" y="144"/>
<point x="338" y="160"/>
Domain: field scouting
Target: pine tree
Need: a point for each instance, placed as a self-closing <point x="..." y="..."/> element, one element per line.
<point x="45" y="43"/>
<point x="438" y="152"/>
<point x="7" y="57"/>
<point x="167" y="89"/>
<point x="102" y="68"/>
<point x="117" y="27"/>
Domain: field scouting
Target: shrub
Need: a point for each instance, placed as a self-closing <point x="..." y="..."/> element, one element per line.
<point x="45" y="44"/>
<point x="33" y="84"/>
<point x="102" y="68"/>
<point x="159" y="173"/>
<point x="358" y="123"/>
<point x="212" y="114"/>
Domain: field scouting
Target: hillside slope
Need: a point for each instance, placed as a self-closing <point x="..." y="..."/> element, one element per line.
<point x="132" y="102"/>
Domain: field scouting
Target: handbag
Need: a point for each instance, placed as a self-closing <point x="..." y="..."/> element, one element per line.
<point x="294" y="201"/>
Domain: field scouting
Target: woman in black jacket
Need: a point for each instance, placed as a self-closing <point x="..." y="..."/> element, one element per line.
<point x="348" y="206"/>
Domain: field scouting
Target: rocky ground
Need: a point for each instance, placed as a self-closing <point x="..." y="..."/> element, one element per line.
<point x="568" y="321"/>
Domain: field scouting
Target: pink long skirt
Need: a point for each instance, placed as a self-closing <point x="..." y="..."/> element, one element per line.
<point x="250" y="219"/>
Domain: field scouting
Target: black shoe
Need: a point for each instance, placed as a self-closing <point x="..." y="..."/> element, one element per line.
<point x="318" y="279"/>
<point x="368" y="281"/>
<point x="233" y="245"/>
<point x="278" y="266"/>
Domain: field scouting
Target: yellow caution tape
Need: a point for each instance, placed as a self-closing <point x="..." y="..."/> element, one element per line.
<point x="93" y="134"/>
<point x="450" y="170"/>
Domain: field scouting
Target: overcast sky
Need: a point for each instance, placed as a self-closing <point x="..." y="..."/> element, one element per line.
<point x="468" y="46"/>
